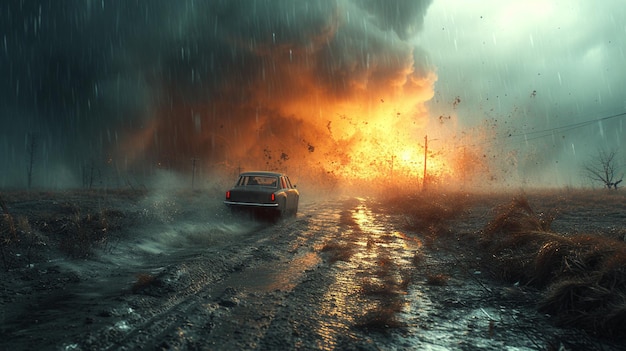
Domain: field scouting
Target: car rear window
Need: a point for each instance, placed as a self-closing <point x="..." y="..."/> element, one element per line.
<point x="257" y="181"/>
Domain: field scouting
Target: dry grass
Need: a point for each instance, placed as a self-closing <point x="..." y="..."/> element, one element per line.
<point x="386" y="293"/>
<point x="346" y="219"/>
<point x="8" y="237"/>
<point x="582" y="275"/>
<point x="17" y="239"/>
<point x="74" y="222"/>
<point x="437" y="279"/>
<point x="144" y="283"/>
<point x="382" y="318"/>
<point x="430" y="214"/>
<point x="386" y="288"/>
<point x="336" y="251"/>
<point x="79" y="235"/>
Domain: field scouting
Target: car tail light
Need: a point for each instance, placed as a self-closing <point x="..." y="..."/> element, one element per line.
<point x="273" y="197"/>
<point x="228" y="195"/>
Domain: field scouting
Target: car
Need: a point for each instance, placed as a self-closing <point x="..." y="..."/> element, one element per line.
<point x="267" y="193"/>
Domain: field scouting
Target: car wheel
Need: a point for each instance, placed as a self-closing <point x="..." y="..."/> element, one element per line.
<point x="295" y="210"/>
<point x="281" y="210"/>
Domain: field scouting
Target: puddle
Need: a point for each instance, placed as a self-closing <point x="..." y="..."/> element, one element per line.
<point x="270" y="277"/>
<point x="369" y="286"/>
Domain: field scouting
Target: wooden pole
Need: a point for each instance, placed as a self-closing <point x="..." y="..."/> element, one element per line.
<point x="193" y="171"/>
<point x="425" y="161"/>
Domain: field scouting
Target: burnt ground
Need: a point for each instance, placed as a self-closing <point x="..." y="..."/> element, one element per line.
<point x="175" y="271"/>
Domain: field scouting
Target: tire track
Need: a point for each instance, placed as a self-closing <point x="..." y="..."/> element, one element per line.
<point x="351" y="299"/>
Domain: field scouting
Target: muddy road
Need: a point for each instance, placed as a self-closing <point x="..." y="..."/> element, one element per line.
<point x="341" y="275"/>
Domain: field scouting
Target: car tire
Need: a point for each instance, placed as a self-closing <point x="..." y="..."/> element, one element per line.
<point x="285" y="210"/>
<point x="281" y="210"/>
<point x="295" y="210"/>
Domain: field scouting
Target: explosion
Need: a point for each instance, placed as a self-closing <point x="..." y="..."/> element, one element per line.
<point x="334" y="90"/>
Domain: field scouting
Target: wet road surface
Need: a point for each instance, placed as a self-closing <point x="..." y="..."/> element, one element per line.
<point x="341" y="275"/>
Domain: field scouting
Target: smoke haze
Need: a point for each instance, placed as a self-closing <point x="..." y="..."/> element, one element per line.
<point x="265" y="84"/>
<point x="107" y="91"/>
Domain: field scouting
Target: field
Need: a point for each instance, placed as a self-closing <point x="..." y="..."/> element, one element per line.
<point x="544" y="269"/>
<point x="569" y="245"/>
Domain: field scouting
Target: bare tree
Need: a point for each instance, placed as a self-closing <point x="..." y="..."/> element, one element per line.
<point x="89" y="173"/>
<point x="604" y="168"/>
<point x="30" y="151"/>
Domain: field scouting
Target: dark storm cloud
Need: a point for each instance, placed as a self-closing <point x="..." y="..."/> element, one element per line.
<point x="404" y="17"/>
<point x="80" y="76"/>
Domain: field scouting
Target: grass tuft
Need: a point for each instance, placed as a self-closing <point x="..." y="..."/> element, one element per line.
<point x="437" y="279"/>
<point x="383" y="318"/>
<point x="336" y="251"/>
<point x="582" y="275"/>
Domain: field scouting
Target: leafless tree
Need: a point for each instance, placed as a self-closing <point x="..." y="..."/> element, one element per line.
<point x="89" y="173"/>
<point x="604" y="168"/>
<point x="30" y="151"/>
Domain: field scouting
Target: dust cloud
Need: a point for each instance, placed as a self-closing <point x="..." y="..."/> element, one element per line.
<point x="112" y="93"/>
<point x="322" y="91"/>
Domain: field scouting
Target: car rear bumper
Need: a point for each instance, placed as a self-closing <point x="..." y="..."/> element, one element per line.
<point x="250" y="204"/>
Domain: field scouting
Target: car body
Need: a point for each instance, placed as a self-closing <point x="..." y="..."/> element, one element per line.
<point x="264" y="192"/>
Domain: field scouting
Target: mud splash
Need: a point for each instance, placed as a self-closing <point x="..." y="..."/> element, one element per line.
<point x="343" y="274"/>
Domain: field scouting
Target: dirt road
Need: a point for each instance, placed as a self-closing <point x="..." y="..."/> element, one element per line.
<point x="341" y="275"/>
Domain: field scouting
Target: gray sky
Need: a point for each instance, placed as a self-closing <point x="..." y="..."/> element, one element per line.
<point x="317" y="88"/>
<point x="525" y="67"/>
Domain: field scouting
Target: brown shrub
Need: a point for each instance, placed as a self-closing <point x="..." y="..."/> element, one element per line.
<point x="517" y="217"/>
<point x="584" y="275"/>
<point x="583" y="303"/>
<point x="612" y="271"/>
<point x="550" y="261"/>
<point x="383" y="318"/>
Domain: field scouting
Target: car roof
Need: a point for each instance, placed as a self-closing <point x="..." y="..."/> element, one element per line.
<point x="262" y="173"/>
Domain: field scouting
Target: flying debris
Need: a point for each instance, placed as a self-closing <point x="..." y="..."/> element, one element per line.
<point x="213" y="80"/>
<point x="456" y="102"/>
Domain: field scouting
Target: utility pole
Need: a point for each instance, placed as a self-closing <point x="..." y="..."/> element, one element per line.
<point x="193" y="171"/>
<point x="425" y="160"/>
<point x="30" y="151"/>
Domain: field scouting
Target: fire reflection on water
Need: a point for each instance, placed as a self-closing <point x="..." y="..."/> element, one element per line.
<point x="371" y="283"/>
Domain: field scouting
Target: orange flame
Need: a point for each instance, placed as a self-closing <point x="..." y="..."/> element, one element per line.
<point x="365" y="120"/>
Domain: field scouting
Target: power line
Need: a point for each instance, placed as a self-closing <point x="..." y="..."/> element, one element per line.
<point x="550" y="132"/>
<point x="545" y="132"/>
<point x="565" y="128"/>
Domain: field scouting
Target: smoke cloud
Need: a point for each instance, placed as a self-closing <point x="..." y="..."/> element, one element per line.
<point x="328" y="87"/>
